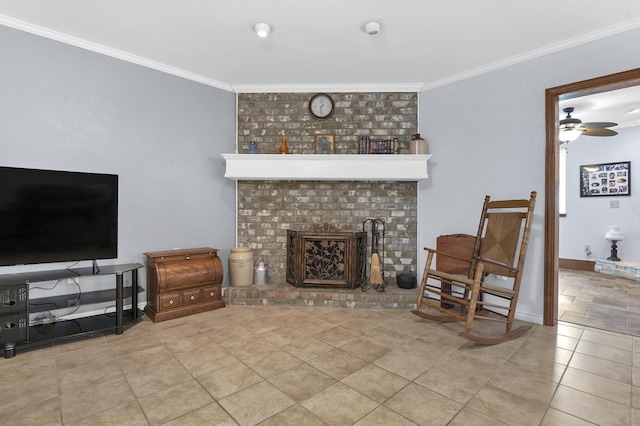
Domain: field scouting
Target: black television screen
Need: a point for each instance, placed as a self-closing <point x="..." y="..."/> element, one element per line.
<point x="57" y="216"/>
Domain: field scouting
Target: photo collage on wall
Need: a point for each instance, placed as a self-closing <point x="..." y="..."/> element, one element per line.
<point x="606" y="179"/>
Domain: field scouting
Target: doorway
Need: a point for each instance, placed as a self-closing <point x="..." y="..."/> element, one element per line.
<point x="551" y="223"/>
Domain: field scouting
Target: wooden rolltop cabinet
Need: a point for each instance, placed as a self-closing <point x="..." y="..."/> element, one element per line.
<point x="183" y="282"/>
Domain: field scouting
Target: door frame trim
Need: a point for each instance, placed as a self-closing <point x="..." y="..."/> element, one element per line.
<point x="615" y="81"/>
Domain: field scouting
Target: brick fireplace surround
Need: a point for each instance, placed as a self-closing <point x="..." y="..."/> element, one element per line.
<point x="266" y="209"/>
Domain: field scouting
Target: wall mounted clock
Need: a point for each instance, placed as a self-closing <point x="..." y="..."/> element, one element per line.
<point x="321" y="106"/>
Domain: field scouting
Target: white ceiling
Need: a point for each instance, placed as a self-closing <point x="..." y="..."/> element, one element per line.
<point x="423" y="43"/>
<point x="320" y="45"/>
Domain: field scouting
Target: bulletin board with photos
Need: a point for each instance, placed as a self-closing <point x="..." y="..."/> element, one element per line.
<point x="606" y="179"/>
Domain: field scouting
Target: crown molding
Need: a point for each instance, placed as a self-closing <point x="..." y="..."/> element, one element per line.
<point x="108" y="51"/>
<point x="331" y="88"/>
<point x="536" y="53"/>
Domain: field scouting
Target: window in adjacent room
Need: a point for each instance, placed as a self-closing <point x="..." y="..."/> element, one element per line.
<point x="562" y="193"/>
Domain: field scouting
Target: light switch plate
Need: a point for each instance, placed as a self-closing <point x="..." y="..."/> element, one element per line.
<point x="614" y="204"/>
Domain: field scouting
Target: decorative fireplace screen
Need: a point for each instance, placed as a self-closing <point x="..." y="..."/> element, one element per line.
<point x="326" y="257"/>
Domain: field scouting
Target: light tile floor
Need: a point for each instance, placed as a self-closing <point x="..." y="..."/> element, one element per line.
<point x="247" y="365"/>
<point x="599" y="300"/>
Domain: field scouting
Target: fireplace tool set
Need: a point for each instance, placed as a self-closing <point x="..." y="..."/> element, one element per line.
<point x="376" y="272"/>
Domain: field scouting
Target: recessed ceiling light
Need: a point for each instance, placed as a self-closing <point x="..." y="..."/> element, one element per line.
<point x="263" y="29"/>
<point x="371" y="26"/>
<point x="633" y="111"/>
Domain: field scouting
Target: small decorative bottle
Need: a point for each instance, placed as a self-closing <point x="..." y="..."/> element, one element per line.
<point x="253" y="149"/>
<point x="284" y="149"/>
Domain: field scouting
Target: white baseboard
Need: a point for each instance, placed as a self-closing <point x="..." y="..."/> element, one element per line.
<point x="532" y="318"/>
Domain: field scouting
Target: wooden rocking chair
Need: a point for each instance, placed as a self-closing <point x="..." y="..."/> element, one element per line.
<point x="500" y="249"/>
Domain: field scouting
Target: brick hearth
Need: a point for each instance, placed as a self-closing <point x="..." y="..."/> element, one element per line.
<point x="270" y="294"/>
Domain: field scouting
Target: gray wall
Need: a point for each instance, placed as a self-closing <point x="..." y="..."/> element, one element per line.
<point x="487" y="136"/>
<point x="65" y="108"/>
<point x="588" y="218"/>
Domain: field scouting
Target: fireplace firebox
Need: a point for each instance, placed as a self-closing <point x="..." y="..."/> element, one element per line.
<point x="326" y="257"/>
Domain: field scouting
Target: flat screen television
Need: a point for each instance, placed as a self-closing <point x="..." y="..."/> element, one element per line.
<point x="57" y="216"/>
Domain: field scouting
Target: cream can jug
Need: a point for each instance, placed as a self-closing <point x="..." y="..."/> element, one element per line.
<point x="417" y="145"/>
<point x="261" y="273"/>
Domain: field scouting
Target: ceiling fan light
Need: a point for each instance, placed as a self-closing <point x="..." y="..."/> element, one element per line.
<point x="262" y="29"/>
<point x="569" y="134"/>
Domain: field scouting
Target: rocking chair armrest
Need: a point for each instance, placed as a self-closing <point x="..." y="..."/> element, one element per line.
<point x="451" y="278"/>
<point x="438" y="252"/>
<point x="495" y="262"/>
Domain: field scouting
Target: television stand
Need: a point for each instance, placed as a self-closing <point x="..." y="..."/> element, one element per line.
<point x="17" y="333"/>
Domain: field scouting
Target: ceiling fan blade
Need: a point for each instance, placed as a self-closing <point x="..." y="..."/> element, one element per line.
<point x="598" y="132"/>
<point x="598" y="125"/>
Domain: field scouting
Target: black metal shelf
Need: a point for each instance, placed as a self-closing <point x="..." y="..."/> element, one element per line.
<point x="43" y="304"/>
<point x="63" y="274"/>
<point x="17" y="334"/>
<point x="74" y="328"/>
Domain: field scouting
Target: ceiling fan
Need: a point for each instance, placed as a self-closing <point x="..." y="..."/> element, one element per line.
<point x="571" y="128"/>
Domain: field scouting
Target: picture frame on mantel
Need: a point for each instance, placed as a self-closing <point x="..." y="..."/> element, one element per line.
<point x="606" y="179"/>
<point x="324" y="144"/>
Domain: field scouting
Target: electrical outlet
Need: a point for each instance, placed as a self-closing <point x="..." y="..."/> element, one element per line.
<point x="587" y="250"/>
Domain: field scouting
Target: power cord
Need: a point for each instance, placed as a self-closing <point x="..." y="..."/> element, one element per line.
<point x="76" y="302"/>
<point x="109" y="315"/>
<point x="46" y="288"/>
<point x="47" y="317"/>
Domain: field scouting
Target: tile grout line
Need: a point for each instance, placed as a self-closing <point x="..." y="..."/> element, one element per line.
<point x="564" y="371"/>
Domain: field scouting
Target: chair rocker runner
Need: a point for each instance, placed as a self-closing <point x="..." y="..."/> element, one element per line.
<point x="500" y="249"/>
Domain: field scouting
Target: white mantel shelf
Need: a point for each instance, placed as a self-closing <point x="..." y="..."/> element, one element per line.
<point x="333" y="167"/>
